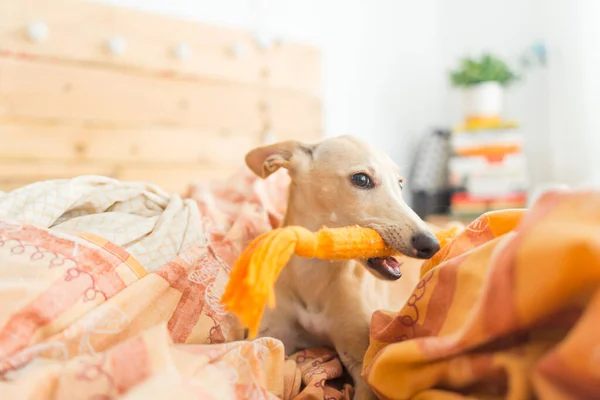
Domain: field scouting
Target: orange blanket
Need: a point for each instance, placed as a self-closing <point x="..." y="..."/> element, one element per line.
<point x="512" y="311"/>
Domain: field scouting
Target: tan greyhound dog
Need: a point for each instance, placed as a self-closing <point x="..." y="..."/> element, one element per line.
<point x="340" y="182"/>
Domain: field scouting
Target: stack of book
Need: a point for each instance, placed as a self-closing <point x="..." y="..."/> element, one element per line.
<point x="487" y="169"/>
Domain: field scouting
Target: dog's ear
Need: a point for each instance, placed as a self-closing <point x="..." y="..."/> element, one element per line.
<point x="263" y="161"/>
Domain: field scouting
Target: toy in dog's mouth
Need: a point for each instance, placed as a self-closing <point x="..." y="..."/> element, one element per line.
<point x="387" y="267"/>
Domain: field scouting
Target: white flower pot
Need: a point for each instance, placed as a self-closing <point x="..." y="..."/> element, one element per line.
<point x="484" y="100"/>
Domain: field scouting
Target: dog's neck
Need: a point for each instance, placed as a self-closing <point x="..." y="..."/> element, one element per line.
<point x="309" y="275"/>
<point x="304" y="210"/>
<point x="300" y="213"/>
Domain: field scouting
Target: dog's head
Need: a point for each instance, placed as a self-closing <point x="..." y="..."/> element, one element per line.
<point x="343" y="181"/>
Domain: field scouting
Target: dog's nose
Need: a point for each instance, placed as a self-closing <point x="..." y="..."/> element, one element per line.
<point x="425" y="245"/>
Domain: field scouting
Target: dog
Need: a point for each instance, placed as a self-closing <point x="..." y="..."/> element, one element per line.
<point x="339" y="182"/>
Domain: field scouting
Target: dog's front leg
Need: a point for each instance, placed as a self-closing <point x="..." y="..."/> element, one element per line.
<point x="282" y="325"/>
<point x="354" y="365"/>
<point x="351" y="344"/>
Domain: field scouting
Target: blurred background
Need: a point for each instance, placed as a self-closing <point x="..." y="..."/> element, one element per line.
<point x="483" y="103"/>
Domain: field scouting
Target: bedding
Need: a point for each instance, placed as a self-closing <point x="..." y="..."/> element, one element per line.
<point x="111" y="290"/>
<point x="512" y="311"/>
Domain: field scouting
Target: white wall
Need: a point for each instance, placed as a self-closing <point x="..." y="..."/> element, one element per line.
<point x="573" y="35"/>
<point x="381" y="59"/>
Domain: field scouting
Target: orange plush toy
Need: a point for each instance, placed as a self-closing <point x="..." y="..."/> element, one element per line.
<point x="252" y="280"/>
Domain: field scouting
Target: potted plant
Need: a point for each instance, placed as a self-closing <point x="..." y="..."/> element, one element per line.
<point x="483" y="81"/>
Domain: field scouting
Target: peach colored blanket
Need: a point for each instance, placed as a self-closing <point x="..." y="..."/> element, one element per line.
<point x="111" y="290"/>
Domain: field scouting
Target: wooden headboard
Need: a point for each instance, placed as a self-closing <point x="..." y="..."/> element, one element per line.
<point x="87" y="88"/>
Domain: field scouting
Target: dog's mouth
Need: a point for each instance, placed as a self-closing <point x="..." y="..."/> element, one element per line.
<point x="387" y="267"/>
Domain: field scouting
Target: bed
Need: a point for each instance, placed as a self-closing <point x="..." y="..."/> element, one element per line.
<point x="87" y="88"/>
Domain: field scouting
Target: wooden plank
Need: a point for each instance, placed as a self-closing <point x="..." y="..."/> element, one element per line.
<point x="150" y="43"/>
<point x="175" y="178"/>
<point x="170" y="176"/>
<point x="31" y="171"/>
<point x="288" y="63"/>
<point x="32" y="142"/>
<point x="67" y="143"/>
<point x="71" y="93"/>
<point x="10" y="186"/>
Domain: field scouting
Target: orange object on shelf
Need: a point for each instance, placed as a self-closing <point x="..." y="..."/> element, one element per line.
<point x="493" y="153"/>
<point x="467" y="204"/>
<point x="485" y="121"/>
<point x="467" y="198"/>
<point x="480" y="123"/>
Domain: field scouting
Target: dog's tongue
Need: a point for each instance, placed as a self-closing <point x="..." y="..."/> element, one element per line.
<point x="392" y="262"/>
<point x="387" y="266"/>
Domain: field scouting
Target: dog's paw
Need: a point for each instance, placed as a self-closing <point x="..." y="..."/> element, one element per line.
<point x="362" y="391"/>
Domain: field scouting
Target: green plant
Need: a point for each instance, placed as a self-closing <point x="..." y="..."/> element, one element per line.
<point x="487" y="68"/>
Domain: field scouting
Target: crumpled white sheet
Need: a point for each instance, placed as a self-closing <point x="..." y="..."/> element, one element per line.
<point x="151" y="224"/>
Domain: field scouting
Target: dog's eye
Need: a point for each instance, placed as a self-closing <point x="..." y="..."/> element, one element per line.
<point x="362" y="181"/>
<point x="401" y="184"/>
